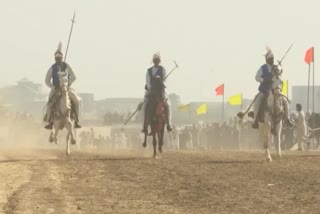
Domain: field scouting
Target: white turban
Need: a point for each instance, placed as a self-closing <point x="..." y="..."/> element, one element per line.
<point x="58" y="52"/>
<point x="156" y="56"/>
<point x="269" y="53"/>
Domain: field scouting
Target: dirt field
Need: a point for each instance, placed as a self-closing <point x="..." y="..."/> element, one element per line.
<point x="45" y="181"/>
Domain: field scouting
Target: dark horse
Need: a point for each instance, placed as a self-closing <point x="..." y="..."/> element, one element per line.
<point x="155" y="115"/>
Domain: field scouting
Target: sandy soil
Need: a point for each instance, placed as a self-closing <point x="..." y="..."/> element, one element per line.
<point x="46" y="181"/>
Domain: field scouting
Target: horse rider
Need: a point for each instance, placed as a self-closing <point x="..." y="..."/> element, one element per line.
<point x="152" y="73"/>
<point x="52" y="81"/>
<point x="301" y="127"/>
<point x="264" y="76"/>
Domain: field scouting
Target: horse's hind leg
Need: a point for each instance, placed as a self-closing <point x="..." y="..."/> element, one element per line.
<point x="154" y="146"/>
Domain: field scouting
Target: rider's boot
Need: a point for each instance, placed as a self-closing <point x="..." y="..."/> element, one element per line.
<point x="49" y="126"/>
<point x="48" y="118"/>
<point x="77" y="124"/>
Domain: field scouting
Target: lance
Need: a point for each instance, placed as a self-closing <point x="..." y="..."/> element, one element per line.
<point x="286" y="53"/>
<point x="69" y="39"/>
<point x="144" y="101"/>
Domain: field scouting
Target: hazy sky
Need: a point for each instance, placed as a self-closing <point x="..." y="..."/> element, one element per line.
<point x="113" y="41"/>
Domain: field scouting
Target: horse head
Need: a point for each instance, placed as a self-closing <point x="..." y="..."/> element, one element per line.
<point x="276" y="71"/>
<point x="64" y="104"/>
<point x="157" y="89"/>
<point x="64" y="81"/>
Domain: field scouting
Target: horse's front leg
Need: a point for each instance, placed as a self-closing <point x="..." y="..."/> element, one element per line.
<point x="51" y="137"/>
<point x="267" y="140"/>
<point x="69" y="136"/>
<point x="154" y="146"/>
<point x="55" y="137"/>
<point x="160" y="137"/>
<point x="278" y="130"/>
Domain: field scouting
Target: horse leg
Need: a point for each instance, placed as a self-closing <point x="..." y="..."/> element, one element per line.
<point x="267" y="139"/>
<point x="160" y="143"/>
<point x="55" y="137"/>
<point x="278" y="130"/>
<point x="51" y="137"/>
<point x="69" y="136"/>
<point x="160" y="137"/>
<point x="154" y="146"/>
<point x="145" y="140"/>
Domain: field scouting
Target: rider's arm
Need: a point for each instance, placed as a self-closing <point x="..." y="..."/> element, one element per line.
<point x="48" y="79"/>
<point x="259" y="75"/>
<point x="72" y="76"/>
<point x="148" y="81"/>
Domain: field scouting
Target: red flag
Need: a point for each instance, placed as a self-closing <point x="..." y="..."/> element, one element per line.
<point x="220" y="90"/>
<point x="309" y="56"/>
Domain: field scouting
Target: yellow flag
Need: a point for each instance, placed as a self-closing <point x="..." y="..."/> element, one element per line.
<point x="285" y="85"/>
<point x="235" y="100"/>
<point x="184" y="108"/>
<point x="202" y="109"/>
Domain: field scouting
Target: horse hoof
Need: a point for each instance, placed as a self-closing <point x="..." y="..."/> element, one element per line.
<point x="144" y="145"/>
<point x="160" y="149"/>
<point x="68" y="153"/>
<point x="269" y="159"/>
<point x="73" y="142"/>
<point x="56" y="142"/>
<point x="51" y="139"/>
<point x="155" y="157"/>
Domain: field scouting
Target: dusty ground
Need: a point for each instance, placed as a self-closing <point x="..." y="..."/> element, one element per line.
<point x="45" y="181"/>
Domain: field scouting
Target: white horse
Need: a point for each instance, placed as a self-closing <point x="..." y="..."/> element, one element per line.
<point x="270" y="121"/>
<point x="62" y="113"/>
<point x="270" y="126"/>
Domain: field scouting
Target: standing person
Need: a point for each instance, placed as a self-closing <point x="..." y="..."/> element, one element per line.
<point x="301" y="129"/>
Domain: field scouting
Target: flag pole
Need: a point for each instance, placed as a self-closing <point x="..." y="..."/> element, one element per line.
<point x="241" y="103"/>
<point x="206" y="114"/>
<point x="190" y="113"/>
<point x="308" y="97"/>
<point x="223" y="103"/>
<point x="313" y="81"/>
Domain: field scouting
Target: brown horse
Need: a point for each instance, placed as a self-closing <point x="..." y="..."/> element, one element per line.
<point x="155" y="116"/>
